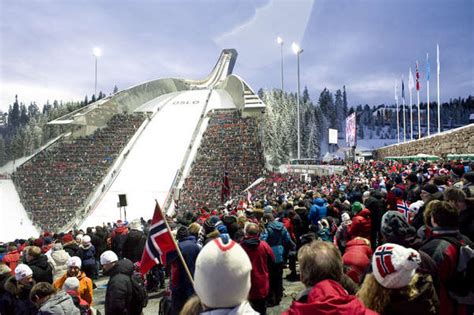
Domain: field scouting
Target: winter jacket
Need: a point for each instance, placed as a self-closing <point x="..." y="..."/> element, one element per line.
<point x="361" y="225"/>
<point x="87" y="254"/>
<point x="21" y="297"/>
<point x="85" y="286"/>
<point x="303" y="214"/>
<point x="357" y="257"/>
<point x="377" y="209"/>
<point x="7" y="300"/>
<point x="117" y="238"/>
<point x="318" y="211"/>
<point x="58" y="262"/>
<point x="99" y="240"/>
<point x="71" y="248"/>
<point x="262" y="258"/>
<point x="418" y="219"/>
<point x="59" y="304"/>
<point x="118" y="296"/>
<point x="445" y="255"/>
<point x="11" y="259"/>
<point x="42" y="271"/>
<point x="134" y="245"/>
<point x="424" y="302"/>
<point x="329" y="297"/>
<point x="276" y="235"/>
<point x="181" y="287"/>
<point x="242" y="309"/>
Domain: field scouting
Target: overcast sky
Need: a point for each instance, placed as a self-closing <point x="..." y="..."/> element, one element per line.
<point x="366" y="45"/>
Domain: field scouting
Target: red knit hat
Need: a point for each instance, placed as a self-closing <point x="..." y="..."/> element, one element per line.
<point x="67" y="238"/>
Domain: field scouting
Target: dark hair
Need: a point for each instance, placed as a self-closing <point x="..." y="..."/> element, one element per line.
<point x="319" y="261"/>
<point x="454" y="194"/>
<point x="41" y="290"/>
<point x="445" y="215"/>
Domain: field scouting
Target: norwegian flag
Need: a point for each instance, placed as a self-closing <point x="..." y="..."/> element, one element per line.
<point x="417" y="74"/>
<point x="404" y="208"/>
<point x="383" y="260"/>
<point x="159" y="243"/>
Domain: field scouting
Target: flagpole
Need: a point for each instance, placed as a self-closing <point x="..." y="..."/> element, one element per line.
<point x="398" y="122"/>
<point x="428" y="95"/>
<point x="437" y="75"/>
<point x="403" y="108"/>
<point x="411" y="110"/>
<point x="418" y="99"/>
<point x="177" y="247"/>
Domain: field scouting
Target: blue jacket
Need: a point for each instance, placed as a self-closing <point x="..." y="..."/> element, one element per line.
<point x="317" y="211"/>
<point x="179" y="282"/>
<point x="277" y="236"/>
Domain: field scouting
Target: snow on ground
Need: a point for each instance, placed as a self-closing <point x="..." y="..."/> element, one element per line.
<point x="14" y="221"/>
<point x="151" y="165"/>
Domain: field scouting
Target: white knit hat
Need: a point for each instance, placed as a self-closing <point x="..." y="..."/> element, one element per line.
<point x="86" y="239"/>
<point x="71" y="284"/>
<point x="74" y="261"/>
<point x="108" y="257"/>
<point x="22" y="271"/>
<point x="394" y="266"/>
<point x="222" y="274"/>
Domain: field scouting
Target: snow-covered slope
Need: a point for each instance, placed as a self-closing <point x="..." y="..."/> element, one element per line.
<point x="14" y="222"/>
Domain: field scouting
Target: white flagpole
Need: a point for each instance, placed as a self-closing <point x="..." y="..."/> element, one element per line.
<point x="398" y="119"/>
<point x="403" y="109"/>
<point x="411" y="104"/>
<point x="437" y="75"/>
<point x="427" y="98"/>
<point x="418" y="98"/>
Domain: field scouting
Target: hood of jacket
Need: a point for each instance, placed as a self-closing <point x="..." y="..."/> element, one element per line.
<point x="123" y="266"/>
<point x="59" y="303"/>
<point x="364" y="213"/>
<point x="251" y="242"/>
<point x="328" y="297"/>
<point x="318" y="201"/>
<point x="16" y="289"/>
<point x="60" y="257"/>
<point x="40" y="262"/>
<point x="275" y="225"/>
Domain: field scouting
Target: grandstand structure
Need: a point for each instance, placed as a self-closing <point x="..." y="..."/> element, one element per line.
<point x="142" y="142"/>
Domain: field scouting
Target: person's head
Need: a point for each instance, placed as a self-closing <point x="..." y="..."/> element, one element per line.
<point x="427" y="191"/>
<point x="251" y="230"/>
<point x="395" y="228"/>
<point x="455" y="197"/>
<point x="443" y="214"/>
<point x="24" y="274"/>
<point x="41" y="292"/>
<point x="71" y="284"/>
<point x="411" y="179"/>
<point x="74" y="266"/>
<point x="194" y="229"/>
<point x="108" y="259"/>
<point x="319" y="261"/>
<point x="222" y="274"/>
<point x="182" y="233"/>
<point x="32" y="252"/>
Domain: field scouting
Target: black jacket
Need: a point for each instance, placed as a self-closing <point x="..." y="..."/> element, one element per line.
<point x="7" y="300"/>
<point x="42" y="271"/>
<point x="71" y="248"/>
<point x="100" y="242"/>
<point x="21" y="297"/>
<point x="134" y="245"/>
<point x="118" y="296"/>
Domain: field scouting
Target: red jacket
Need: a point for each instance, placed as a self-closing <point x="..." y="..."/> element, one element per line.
<point x="261" y="256"/>
<point x="357" y="257"/>
<point x="11" y="259"/>
<point x="361" y="224"/>
<point x="329" y="298"/>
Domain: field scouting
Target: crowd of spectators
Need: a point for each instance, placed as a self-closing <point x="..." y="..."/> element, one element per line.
<point x="56" y="182"/>
<point x="230" y="144"/>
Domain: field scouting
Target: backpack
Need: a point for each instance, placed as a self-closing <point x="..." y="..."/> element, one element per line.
<point x="139" y="293"/>
<point x="461" y="285"/>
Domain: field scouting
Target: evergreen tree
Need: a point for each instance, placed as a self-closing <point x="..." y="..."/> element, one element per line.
<point x="340" y="116"/>
<point x="115" y="89"/>
<point x="344" y="101"/>
<point x="14" y="114"/>
<point x="3" y="153"/>
<point x="23" y="115"/>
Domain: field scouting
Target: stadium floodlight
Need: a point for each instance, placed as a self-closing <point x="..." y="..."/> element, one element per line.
<point x="297" y="50"/>
<point x="97" y="52"/>
<point x="280" y="42"/>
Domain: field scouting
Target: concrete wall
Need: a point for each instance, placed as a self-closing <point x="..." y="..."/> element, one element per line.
<point x="455" y="141"/>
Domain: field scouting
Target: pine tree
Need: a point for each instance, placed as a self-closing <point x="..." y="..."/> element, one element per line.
<point x="339" y="104"/>
<point x="115" y="89"/>
<point x="23" y="115"/>
<point x="3" y="153"/>
<point x="14" y="114"/>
